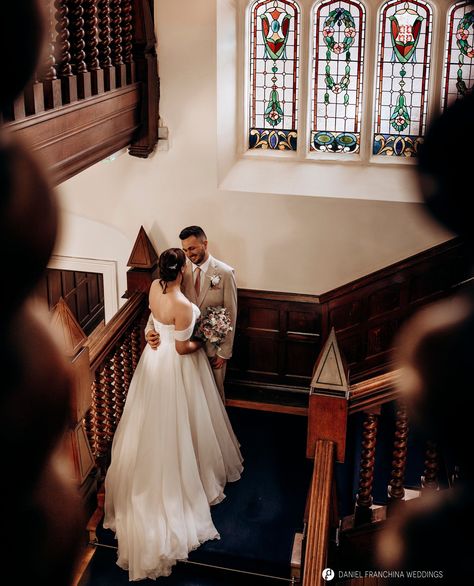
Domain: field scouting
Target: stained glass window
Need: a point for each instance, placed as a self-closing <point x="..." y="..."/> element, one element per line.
<point x="402" y="81"/>
<point x="459" y="64"/>
<point x="274" y="47"/>
<point x="339" y="29"/>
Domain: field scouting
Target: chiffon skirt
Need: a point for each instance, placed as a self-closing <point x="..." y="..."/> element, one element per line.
<point x="172" y="454"/>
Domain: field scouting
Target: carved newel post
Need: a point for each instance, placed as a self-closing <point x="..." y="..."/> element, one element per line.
<point x="72" y="339"/>
<point x="143" y="263"/>
<point x="327" y="417"/>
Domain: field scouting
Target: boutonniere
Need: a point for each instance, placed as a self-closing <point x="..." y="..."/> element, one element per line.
<point x="215" y="281"/>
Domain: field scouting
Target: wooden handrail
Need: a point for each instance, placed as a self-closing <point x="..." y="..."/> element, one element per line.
<point x="317" y="531"/>
<point x="373" y="391"/>
<point x="102" y="341"/>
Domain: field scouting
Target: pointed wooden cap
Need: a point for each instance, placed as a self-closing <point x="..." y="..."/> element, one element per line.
<point x="69" y="332"/>
<point x="143" y="254"/>
<point x="330" y="372"/>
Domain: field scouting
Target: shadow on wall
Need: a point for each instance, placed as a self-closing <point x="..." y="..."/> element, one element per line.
<point x="87" y="239"/>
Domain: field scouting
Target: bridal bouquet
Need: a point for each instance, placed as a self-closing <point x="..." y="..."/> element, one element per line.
<point x="213" y="326"/>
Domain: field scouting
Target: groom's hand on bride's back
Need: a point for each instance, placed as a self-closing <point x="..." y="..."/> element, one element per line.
<point x="153" y="338"/>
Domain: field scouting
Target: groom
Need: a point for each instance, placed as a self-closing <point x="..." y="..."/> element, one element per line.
<point x="207" y="282"/>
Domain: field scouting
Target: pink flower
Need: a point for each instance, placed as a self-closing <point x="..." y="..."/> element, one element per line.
<point x="462" y="33"/>
<point x="470" y="53"/>
<point x="328" y="31"/>
<point x="213" y="325"/>
<point x="274" y="115"/>
<point x="350" y="32"/>
<point x="338" y="48"/>
<point x="336" y="89"/>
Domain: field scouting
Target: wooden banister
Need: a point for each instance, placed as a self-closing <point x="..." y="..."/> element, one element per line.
<point x="373" y="391"/>
<point x="317" y="530"/>
<point x="103" y="340"/>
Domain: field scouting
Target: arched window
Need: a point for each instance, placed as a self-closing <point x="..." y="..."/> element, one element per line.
<point x="274" y="62"/>
<point x="459" y="60"/>
<point x="338" y="57"/>
<point x="403" y="61"/>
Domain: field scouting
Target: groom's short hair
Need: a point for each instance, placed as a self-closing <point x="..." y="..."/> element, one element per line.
<point x="192" y="231"/>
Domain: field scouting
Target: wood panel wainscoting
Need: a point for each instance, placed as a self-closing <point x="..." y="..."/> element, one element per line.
<point x="277" y="340"/>
<point x="279" y="335"/>
<point x="82" y="291"/>
<point x="367" y="313"/>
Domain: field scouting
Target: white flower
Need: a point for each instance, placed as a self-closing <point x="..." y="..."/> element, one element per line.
<point x="215" y="280"/>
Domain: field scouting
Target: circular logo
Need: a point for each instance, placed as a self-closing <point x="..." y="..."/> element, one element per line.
<point x="328" y="574"/>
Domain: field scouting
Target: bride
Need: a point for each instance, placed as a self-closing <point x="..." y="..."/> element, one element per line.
<point x="174" y="448"/>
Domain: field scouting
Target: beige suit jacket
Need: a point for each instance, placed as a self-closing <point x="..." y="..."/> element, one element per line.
<point x="211" y="295"/>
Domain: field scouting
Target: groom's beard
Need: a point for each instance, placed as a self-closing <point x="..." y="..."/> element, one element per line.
<point x="197" y="259"/>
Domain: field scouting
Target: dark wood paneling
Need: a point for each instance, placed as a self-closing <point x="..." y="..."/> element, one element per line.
<point x="368" y="313"/>
<point x="83" y="293"/>
<point x="277" y="340"/>
<point x="279" y="335"/>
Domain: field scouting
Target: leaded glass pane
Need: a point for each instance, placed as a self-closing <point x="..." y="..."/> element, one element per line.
<point x="402" y="79"/>
<point x="459" y="60"/>
<point x="274" y="49"/>
<point x="339" y="31"/>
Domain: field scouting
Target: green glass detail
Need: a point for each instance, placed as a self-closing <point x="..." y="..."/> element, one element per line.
<point x="337" y="18"/>
<point x="400" y="117"/>
<point x="466" y="50"/>
<point x="273" y="111"/>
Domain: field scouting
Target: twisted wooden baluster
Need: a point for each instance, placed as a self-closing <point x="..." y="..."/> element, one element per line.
<point x="50" y="71"/>
<point x="396" y="492"/>
<point x="104" y="34"/>
<point x="76" y="13"/>
<point x="119" y="383"/>
<point x="90" y="34"/>
<point x="363" y="512"/>
<point x="102" y="415"/>
<point x="136" y="346"/>
<point x="110" y="414"/>
<point x="117" y="47"/>
<point x="52" y="87"/>
<point x="105" y="41"/>
<point x="127" y="37"/>
<point x="116" y="21"/>
<point x="96" y="415"/>
<point x="127" y="361"/>
<point x="429" y="480"/>
<point x="62" y="39"/>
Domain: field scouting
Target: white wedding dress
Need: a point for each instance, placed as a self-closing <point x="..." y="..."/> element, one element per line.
<point x="172" y="454"/>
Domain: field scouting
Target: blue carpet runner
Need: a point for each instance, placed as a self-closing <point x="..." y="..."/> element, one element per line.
<point x="258" y="519"/>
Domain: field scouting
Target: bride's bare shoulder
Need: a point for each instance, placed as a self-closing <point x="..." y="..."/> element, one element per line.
<point x="183" y="313"/>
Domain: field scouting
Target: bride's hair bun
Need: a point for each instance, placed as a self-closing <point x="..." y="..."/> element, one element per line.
<point x="170" y="263"/>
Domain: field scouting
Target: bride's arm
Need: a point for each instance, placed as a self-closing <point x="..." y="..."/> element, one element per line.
<point x="183" y="320"/>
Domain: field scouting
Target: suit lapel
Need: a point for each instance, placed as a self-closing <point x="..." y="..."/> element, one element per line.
<point x="206" y="281"/>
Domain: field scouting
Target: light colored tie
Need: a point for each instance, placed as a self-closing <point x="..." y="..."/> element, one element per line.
<point x="197" y="282"/>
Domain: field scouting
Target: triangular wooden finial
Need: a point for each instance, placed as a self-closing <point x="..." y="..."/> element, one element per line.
<point x="143" y="254"/>
<point x="70" y="334"/>
<point x="330" y="375"/>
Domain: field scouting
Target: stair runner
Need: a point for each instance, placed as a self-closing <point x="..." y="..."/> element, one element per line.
<point x="257" y="521"/>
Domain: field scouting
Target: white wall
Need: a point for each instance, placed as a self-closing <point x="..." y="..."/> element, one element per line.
<point x="296" y="243"/>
